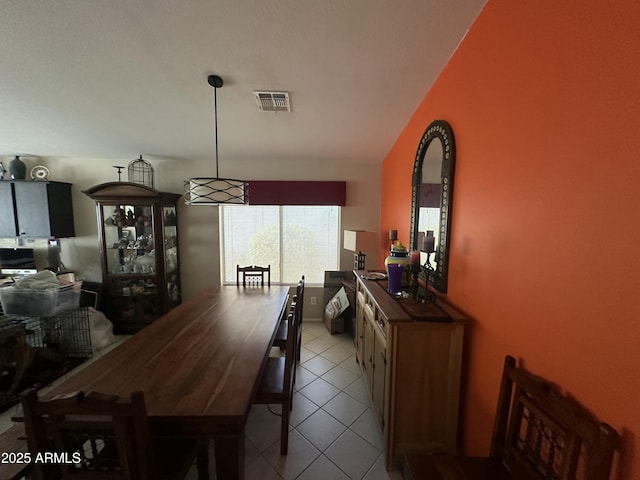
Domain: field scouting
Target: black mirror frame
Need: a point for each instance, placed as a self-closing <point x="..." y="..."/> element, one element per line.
<point x="437" y="129"/>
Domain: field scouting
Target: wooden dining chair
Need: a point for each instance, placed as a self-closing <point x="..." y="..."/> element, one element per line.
<point x="253" y="275"/>
<point x="280" y="339"/>
<point x="300" y="294"/>
<point x="538" y="434"/>
<point x="98" y="437"/>
<point x="276" y="384"/>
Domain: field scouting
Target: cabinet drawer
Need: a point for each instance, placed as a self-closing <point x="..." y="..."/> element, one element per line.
<point x="376" y="318"/>
<point x="370" y="313"/>
<point x="369" y="302"/>
<point x="382" y="322"/>
<point x="361" y="298"/>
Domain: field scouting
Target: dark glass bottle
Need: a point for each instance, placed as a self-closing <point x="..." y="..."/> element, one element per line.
<point x="17" y="169"/>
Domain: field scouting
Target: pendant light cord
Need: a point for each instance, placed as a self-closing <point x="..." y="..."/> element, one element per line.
<point x="215" y="109"/>
<point x="216" y="191"/>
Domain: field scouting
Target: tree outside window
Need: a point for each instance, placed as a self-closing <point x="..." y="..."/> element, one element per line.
<point x="294" y="240"/>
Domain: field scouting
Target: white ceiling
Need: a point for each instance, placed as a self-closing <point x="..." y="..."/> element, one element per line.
<point x="116" y="78"/>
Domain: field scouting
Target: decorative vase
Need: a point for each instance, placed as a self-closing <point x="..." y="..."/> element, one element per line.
<point x="396" y="264"/>
<point x="17" y="169"/>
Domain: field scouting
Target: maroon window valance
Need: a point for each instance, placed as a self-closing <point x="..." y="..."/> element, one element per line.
<point x="297" y="193"/>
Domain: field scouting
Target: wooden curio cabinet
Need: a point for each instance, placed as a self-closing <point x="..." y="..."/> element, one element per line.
<point x="138" y="230"/>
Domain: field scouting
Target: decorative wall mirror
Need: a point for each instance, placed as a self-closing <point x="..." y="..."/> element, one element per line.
<point x="432" y="188"/>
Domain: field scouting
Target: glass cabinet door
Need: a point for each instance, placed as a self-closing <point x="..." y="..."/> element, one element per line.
<point x="129" y="240"/>
<point x="135" y="300"/>
<point x="131" y="262"/>
<point x="170" y="232"/>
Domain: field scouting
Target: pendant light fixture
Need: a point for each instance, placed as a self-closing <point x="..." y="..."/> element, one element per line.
<point x="215" y="191"/>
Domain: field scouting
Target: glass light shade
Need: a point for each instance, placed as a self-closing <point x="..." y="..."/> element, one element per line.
<point x="215" y="191"/>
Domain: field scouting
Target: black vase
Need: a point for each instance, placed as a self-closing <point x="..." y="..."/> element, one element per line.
<point x="17" y="169"/>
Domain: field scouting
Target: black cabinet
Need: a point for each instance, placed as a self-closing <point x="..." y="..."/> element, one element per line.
<point x="36" y="209"/>
<point x="8" y="226"/>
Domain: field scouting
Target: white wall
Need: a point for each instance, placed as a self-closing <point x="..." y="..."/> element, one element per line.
<point x="199" y="245"/>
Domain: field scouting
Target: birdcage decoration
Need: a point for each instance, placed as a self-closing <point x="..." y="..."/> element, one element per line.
<point x="140" y="171"/>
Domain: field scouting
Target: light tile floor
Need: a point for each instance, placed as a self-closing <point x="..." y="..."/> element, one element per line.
<point x="333" y="432"/>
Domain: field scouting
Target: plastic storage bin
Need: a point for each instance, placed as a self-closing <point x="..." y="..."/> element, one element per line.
<point x="40" y="303"/>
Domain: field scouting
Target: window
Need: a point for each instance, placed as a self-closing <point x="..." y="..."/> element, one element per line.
<point x="294" y="240"/>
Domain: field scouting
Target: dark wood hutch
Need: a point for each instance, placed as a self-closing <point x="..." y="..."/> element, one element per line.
<point x="138" y="233"/>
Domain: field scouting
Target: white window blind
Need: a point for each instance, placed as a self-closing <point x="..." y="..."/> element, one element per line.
<point x="294" y="240"/>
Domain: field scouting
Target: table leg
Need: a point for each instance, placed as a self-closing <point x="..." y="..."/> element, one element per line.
<point x="230" y="457"/>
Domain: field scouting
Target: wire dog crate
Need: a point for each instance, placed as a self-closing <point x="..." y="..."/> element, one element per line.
<point x="36" y="350"/>
<point x="30" y="332"/>
<point x="75" y="330"/>
<point x="67" y="333"/>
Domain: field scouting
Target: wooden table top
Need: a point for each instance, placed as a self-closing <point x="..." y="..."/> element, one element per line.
<point x="199" y="364"/>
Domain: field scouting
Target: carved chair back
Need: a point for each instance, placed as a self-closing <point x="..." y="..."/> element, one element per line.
<point x="102" y="436"/>
<point x="541" y="434"/>
<point x="253" y="275"/>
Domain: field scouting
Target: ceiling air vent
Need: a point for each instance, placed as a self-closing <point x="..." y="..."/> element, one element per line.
<point x="273" y="101"/>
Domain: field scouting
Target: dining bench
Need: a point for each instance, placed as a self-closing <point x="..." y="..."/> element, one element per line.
<point x="538" y="434"/>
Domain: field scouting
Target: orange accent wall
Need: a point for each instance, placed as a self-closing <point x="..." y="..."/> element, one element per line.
<point x="544" y="101"/>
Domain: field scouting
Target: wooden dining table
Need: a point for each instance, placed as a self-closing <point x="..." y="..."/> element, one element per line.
<point x="199" y="366"/>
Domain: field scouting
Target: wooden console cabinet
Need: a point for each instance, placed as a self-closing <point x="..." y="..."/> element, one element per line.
<point x="412" y="370"/>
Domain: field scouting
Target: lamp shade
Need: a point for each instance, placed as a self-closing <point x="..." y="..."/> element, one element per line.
<point x="359" y="240"/>
<point x="215" y="191"/>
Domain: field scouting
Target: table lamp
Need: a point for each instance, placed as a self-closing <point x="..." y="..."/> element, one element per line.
<point x="359" y="241"/>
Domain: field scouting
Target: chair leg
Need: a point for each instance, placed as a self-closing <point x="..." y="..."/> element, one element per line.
<point x="299" y="342"/>
<point x="284" y="429"/>
<point x="203" y="462"/>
